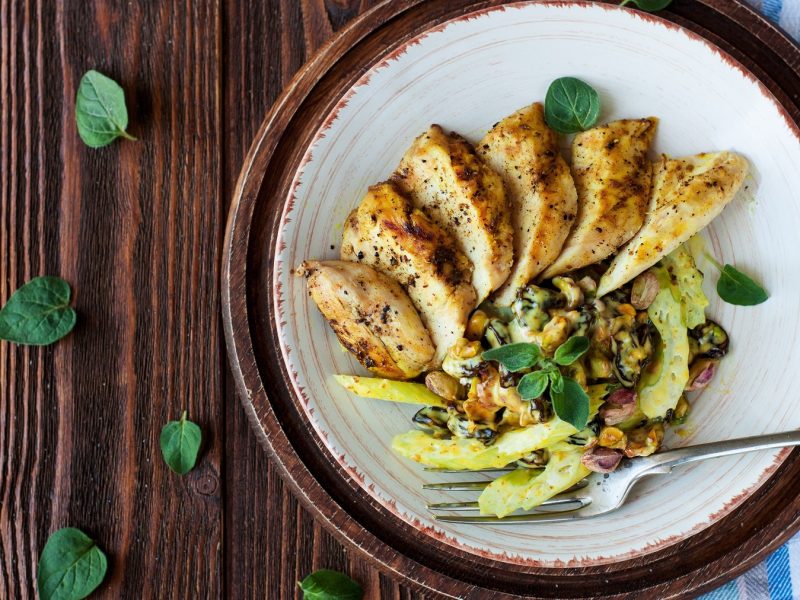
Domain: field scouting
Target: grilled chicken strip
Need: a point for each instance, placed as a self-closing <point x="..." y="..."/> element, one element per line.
<point x="371" y="315"/>
<point x="613" y="177"/>
<point x="688" y="193"/>
<point x="541" y="193"/>
<point x="445" y="178"/>
<point x="388" y="233"/>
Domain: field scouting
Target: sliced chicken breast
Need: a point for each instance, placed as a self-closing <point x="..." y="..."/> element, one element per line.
<point x="388" y="233"/>
<point x="540" y="190"/>
<point x="612" y="175"/>
<point x="371" y="315"/>
<point x="688" y="193"/>
<point x="445" y="178"/>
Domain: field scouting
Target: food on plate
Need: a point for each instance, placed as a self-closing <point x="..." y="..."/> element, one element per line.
<point x="687" y="194"/>
<point x="388" y="233"/>
<point x="390" y="390"/>
<point x="371" y="315"/>
<point x="443" y="176"/>
<point x="541" y="193"/>
<point x="595" y="337"/>
<point x="612" y="175"/>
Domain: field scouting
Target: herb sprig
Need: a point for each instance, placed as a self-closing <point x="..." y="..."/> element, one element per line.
<point x="734" y="287"/>
<point x="570" y="402"/>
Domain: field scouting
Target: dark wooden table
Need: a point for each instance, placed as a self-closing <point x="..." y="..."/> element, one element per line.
<point x="136" y="228"/>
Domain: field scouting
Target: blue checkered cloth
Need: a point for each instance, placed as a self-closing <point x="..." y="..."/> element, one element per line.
<point x="778" y="577"/>
<point x="785" y="13"/>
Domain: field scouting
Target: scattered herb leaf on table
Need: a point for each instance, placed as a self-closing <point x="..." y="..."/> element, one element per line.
<point x="38" y="313"/>
<point x="71" y="566"/>
<point x="330" y="585"/>
<point x="648" y="5"/>
<point x="100" y="110"/>
<point x="180" y="443"/>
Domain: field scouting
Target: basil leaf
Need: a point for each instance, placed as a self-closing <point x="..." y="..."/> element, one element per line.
<point x="515" y="357"/>
<point x="532" y="385"/>
<point x="38" y="313"/>
<point x="571" y="404"/>
<point x="180" y="443"/>
<point x="100" y="110"/>
<point x="556" y="381"/>
<point x="571" y="105"/>
<point x="734" y="287"/>
<point x="649" y="5"/>
<point x="330" y="585"/>
<point x="71" y="566"/>
<point x="571" y="350"/>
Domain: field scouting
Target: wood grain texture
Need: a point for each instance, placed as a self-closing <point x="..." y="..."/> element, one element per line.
<point x="136" y="229"/>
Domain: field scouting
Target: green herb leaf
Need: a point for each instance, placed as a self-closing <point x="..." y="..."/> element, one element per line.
<point x="556" y="381"/>
<point x="71" y="566"/>
<point x="571" y="350"/>
<point x="515" y="357"/>
<point x="100" y="110"/>
<point x="180" y="443"/>
<point x="649" y="5"/>
<point x="38" y="313"/>
<point x="330" y="585"/>
<point x="533" y="385"/>
<point x="737" y="288"/>
<point x="571" y="105"/>
<point x="572" y="404"/>
<point x="734" y="287"/>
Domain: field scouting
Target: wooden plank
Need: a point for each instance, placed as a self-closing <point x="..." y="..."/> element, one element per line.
<point x="135" y="228"/>
<point x="271" y="541"/>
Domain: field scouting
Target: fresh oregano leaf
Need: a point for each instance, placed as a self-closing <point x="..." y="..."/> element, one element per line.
<point x="533" y="385"/>
<point x="38" y="313"/>
<point x="180" y="443"/>
<point x="571" y="105"/>
<point x="737" y="288"/>
<point x="100" y="110"/>
<point x="571" y="404"/>
<point x="734" y="287"/>
<point x="71" y="566"/>
<point x="648" y="5"/>
<point x="330" y="585"/>
<point x="515" y="357"/>
<point x="556" y="381"/>
<point x="571" y="350"/>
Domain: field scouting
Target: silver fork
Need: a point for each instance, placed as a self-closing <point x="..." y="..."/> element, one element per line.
<point x="599" y="494"/>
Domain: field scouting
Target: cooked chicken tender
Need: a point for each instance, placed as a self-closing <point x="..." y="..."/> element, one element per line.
<point x="388" y="233"/>
<point x="540" y="190"/>
<point x="371" y="315"/>
<point x="612" y="175"/>
<point x="688" y="193"/>
<point x="445" y="178"/>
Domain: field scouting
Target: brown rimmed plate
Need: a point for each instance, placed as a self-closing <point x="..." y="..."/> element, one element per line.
<point x="342" y="490"/>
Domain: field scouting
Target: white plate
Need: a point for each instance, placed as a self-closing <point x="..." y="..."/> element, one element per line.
<point x="466" y="75"/>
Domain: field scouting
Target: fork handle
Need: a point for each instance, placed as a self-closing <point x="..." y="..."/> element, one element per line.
<point x="663" y="462"/>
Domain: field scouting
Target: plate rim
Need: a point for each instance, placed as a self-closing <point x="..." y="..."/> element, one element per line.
<point x="250" y="385"/>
